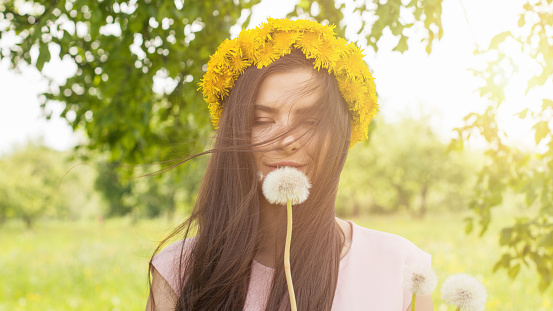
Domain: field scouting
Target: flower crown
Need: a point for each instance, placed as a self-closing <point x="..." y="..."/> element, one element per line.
<point x="276" y="38"/>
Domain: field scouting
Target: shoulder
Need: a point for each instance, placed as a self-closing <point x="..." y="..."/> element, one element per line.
<point x="388" y="246"/>
<point x="382" y="257"/>
<point x="167" y="261"/>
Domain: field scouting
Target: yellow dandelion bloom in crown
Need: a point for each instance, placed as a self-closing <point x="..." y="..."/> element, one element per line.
<point x="277" y="37"/>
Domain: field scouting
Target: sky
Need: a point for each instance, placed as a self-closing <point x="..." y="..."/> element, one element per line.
<point x="412" y="83"/>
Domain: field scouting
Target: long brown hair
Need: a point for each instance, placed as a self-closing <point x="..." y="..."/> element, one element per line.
<point x="226" y="213"/>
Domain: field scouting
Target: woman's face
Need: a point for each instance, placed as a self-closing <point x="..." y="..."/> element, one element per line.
<point x="276" y="113"/>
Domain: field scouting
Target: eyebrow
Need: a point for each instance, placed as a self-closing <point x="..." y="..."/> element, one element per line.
<point x="272" y="110"/>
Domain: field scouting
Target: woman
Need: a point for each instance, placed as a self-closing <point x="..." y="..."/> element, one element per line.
<point x="288" y="93"/>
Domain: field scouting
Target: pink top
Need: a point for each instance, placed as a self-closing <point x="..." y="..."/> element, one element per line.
<point x="369" y="278"/>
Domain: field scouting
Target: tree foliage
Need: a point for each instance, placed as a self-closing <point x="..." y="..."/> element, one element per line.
<point x="29" y="187"/>
<point x="395" y="15"/>
<point x="120" y="49"/>
<point x="39" y="182"/>
<point x="529" y="241"/>
<point x="148" y="195"/>
<point x="405" y="167"/>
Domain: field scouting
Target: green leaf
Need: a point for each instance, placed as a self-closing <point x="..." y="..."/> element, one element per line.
<point x="521" y="20"/>
<point x="547" y="103"/>
<point x="401" y="45"/>
<point x="542" y="129"/>
<point x="531" y="195"/>
<point x="503" y="262"/>
<point x="538" y="80"/>
<point x="469" y="225"/>
<point x="513" y="271"/>
<point x="429" y="44"/>
<point x="505" y="236"/>
<point x="522" y="114"/>
<point x="497" y="39"/>
<point x="547" y="240"/>
<point x="43" y="56"/>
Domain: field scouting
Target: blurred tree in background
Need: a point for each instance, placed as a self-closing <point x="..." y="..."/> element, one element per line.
<point x="35" y="185"/>
<point x="405" y="167"/>
<point x="121" y="48"/>
<point x="113" y="189"/>
<point x="148" y="196"/>
<point x="31" y="191"/>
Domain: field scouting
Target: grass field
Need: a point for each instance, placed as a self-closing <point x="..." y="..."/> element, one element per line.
<point x="91" y="266"/>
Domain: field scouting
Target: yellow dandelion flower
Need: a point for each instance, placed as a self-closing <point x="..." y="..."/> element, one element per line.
<point x="215" y="111"/>
<point x="238" y="64"/>
<point x="352" y="89"/>
<point x="352" y="62"/>
<point x="248" y="44"/>
<point x="328" y="55"/>
<point x="263" y="32"/>
<point x="207" y="83"/>
<point x="359" y="133"/>
<point x="326" y="30"/>
<point x="283" y="41"/>
<point x="309" y="43"/>
<point x="222" y="84"/>
<point x="227" y="46"/>
<point x="266" y="55"/>
<point x="216" y="61"/>
<point x="372" y="90"/>
<point x="283" y="24"/>
<point x="341" y="46"/>
<point x="306" y="25"/>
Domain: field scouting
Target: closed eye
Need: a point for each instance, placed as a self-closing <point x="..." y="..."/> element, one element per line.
<point x="262" y="121"/>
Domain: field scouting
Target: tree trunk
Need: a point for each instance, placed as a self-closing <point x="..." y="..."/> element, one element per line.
<point x="28" y="222"/>
<point x="172" y="205"/>
<point x="403" y="198"/>
<point x="422" y="210"/>
<point x="356" y="210"/>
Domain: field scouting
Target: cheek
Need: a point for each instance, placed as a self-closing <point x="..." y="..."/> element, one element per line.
<point x="318" y="150"/>
<point x="260" y="134"/>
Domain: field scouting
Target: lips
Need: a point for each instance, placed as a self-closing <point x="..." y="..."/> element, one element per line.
<point x="274" y="166"/>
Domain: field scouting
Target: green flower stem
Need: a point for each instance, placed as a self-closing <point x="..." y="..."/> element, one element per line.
<point x="413" y="300"/>
<point x="287" y="258"/>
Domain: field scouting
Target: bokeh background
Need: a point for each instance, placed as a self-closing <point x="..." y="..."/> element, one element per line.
<point x="95" y="96"/>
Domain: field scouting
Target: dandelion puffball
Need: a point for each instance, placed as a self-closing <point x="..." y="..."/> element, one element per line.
<point x="419" y="279"/>
<point x="286" y="183"/>
<point x="465" y="292"/>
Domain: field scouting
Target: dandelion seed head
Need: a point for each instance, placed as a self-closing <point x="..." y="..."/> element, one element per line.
<point x="465" y="292"/>
<point x="286" y="183"/>
<point x="419" y="279"/>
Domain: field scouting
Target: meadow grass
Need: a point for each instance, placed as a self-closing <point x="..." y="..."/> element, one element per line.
<point x="77" y="266"/>
<point x="93" y="266"/>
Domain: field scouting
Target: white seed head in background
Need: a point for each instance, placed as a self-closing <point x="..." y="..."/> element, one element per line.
<point x="286" y="183"/>
<point x="419" y="279"/>
<point x="465" y="292"/>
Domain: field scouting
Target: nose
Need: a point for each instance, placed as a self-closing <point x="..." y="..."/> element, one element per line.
<point x="290" y="143"/>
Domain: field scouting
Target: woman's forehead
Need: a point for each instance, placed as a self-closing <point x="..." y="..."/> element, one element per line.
<point x="298" y="107"/>
<point x="287" y="90"/>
